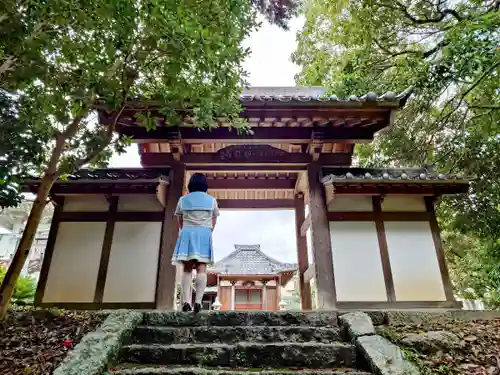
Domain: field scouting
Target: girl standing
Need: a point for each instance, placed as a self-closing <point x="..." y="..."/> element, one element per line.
<point x="196" y="216"/>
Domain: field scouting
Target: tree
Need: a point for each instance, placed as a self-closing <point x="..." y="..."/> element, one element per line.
<point x="448" y="52"/>
<point x="185" y="54"/>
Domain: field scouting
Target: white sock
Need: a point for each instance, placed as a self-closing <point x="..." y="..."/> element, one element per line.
<point x="186" y="287"/>
<point x="200" y="284"/>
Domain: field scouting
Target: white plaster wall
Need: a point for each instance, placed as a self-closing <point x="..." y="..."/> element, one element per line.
<point x="139" y="203"/>
<point x="394" y="203"/>
<point x="414" y="264"/>
<point x="75" y="262"/>
<point x="356" y="261"/>
<point x="351" y="203"/>
<point x="87" y="203"/>
<point x="133" y="262"/>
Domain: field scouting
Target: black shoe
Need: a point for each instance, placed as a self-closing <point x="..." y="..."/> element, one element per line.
<point x="186" y="307"/>
<point x="197" y="308"/>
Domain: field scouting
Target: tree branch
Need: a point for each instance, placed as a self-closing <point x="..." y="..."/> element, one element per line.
<point x="485" y="106"/>
<point x="425" y="54"/>
<point x="426" y="20"/>
<point x="7" y="65"/>
<point x="107" y="139"/>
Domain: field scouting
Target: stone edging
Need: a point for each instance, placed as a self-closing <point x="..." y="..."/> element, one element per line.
<point x="384" y="357"/>
<point x="100" y="347"/>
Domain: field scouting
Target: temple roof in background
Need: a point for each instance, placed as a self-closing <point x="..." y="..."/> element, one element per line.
<point x="250" y="260"/>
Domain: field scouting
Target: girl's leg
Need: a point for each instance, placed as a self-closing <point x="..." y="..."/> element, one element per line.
<point x="200" y="284"/>
<point x="186" y="286"/>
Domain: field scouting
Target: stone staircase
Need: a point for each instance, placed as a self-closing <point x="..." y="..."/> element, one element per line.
<point x="273" y="343"/>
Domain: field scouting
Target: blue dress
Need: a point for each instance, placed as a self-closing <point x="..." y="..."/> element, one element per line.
<point x="195" y="238"/>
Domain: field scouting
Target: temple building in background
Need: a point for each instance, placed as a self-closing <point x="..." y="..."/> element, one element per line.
<point x="248" y="280"/>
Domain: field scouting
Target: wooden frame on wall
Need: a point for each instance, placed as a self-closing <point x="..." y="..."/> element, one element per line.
<point x="379" y="217"/>
<point x="111" y="217"/>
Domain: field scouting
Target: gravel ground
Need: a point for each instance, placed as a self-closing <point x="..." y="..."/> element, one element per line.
<point x="479" y="351"/>
<point x="34" y="342"/>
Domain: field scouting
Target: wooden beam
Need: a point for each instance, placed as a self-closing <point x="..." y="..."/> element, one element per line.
<point x="165" y="292"/>
<point x="248" y="184"/>
<point x="99" y="306"/>
<point x="400" y="187"/>
<point x="436" y="236"/>
<point x="384" y="216"/>
<point x="310" y="273"/>
<point x="244" y="168"/>
<point x="49" y="252"/>
<point x="384" y="252"/>
<point x="255" y="204"/>
<point x="161" y="159"/>
<point x="320" y="236"/>
<point x="106" y="250"/>
<point x="98" y="188"/>
<point x="305" y="287"/>
<point x="329" y="193"/>
<point x="273" y="134"/>
<point x="306" y="224"/>
<point x="83" y="216"/>
<point x="396" y="305"/>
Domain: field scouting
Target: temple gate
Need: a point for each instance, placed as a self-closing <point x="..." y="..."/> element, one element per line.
<point x="115" y="229"/>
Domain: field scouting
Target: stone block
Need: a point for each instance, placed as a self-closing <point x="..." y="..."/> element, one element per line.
<point x="250" y="355"/>
<point x="432" y="341"/>
<point x="384" y="357"/>
<point x="167" y="370"/>
<point x="234" y="335"/>
<point x="232" y="318"/>
<point x="357" y="324"/>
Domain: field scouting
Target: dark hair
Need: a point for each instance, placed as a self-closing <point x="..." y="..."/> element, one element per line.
<point x="198" y="182"/>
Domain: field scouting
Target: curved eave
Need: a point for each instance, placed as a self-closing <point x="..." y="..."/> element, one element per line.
<point x="106" y="181"/>
<point x="382" y="187"/>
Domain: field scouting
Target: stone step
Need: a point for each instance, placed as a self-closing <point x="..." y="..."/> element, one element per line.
<point x="234" y="335"/>
<point x="130" y="369"/>
<point x="252" y="355"/>
<point x="232" y="318"/>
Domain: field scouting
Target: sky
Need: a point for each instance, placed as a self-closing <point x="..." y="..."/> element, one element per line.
<point x="268" y="65"/>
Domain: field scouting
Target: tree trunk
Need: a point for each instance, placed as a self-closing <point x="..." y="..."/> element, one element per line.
<point x="23" y="249"/>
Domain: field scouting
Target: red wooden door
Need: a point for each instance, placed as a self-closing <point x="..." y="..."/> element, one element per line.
<point x="225" y="297"/>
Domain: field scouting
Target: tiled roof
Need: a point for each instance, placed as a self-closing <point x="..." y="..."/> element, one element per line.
<point x="311" y="94"/>
<point x="112" y="175"/>
<point x="250" y="260"/>
<point x="317" y="94"/>
<point x="391" y="175"/>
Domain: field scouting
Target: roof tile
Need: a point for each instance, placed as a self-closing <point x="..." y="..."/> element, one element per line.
<point x="250" y="260"/>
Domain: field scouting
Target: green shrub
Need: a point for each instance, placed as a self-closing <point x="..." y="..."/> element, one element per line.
<point x="24" y="291"/>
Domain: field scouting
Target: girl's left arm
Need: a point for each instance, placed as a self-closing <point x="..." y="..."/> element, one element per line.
<point x="215" y="214"/>
<point x="178" y="214"/>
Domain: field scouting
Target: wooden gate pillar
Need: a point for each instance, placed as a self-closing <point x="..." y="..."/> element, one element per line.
<point x="165" y="292"/>
<point x="320" y="240"/>
<point x="305" y="287"/>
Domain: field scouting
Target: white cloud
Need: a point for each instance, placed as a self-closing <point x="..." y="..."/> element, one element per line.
<point x="268" y="65"/>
